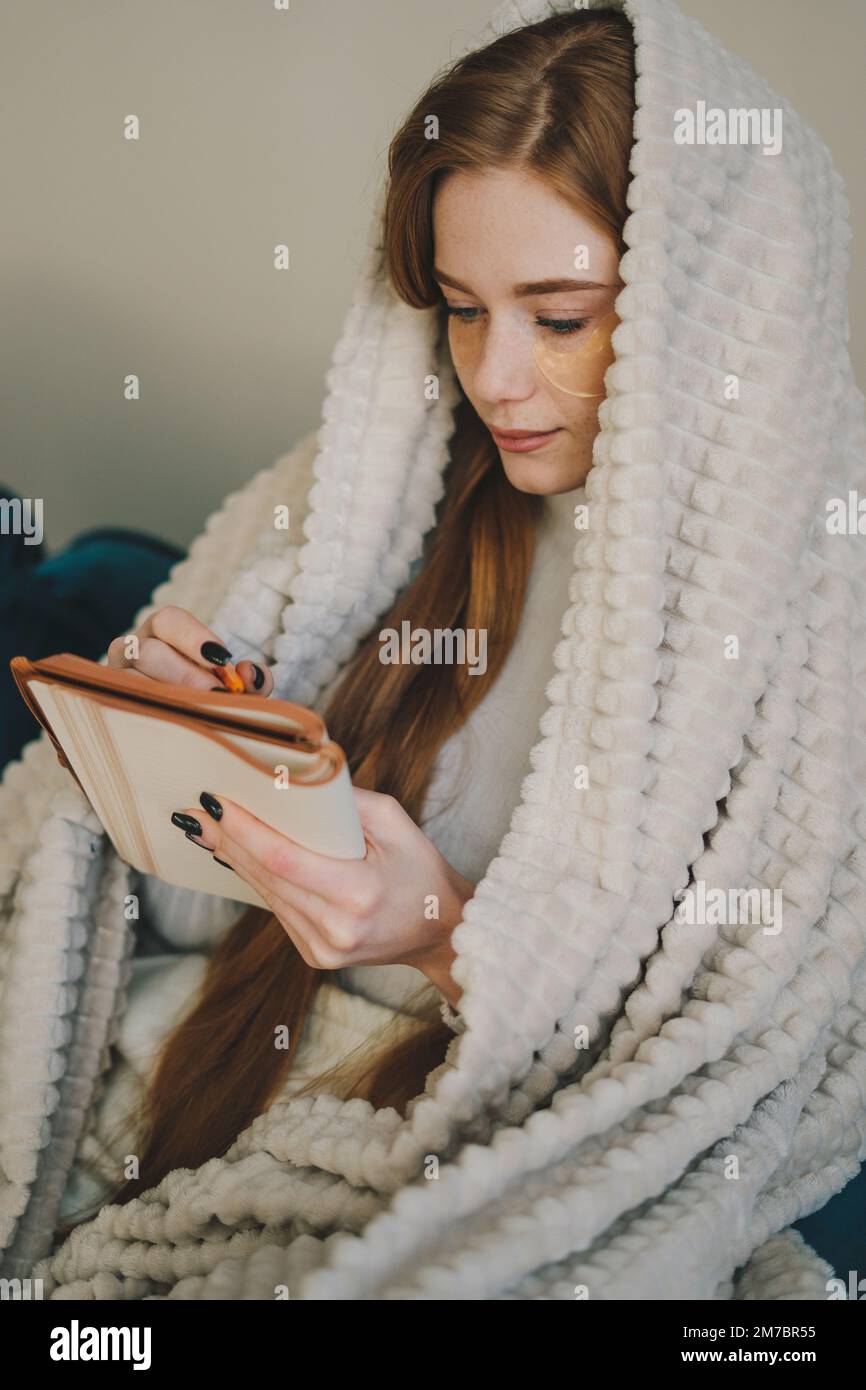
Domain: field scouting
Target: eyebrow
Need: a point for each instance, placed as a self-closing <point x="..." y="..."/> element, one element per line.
<point x="530" y="286"/>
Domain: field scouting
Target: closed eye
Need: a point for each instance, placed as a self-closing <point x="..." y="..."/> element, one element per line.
<point x="564" y="325"/>
<point x="560" y="327"/>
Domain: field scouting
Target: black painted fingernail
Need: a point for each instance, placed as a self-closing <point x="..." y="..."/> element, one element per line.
<point x="223" y="862"/>
<point x="193" y="841"/>
<point x="215" y="652"/>
<point x="218" y="688"/>
<point x="185" y="822"/>
<point x="258" y="676"/>
<point x="211" y="805"/>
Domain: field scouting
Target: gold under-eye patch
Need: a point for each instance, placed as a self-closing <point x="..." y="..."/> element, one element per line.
<point x="577" y="365"/>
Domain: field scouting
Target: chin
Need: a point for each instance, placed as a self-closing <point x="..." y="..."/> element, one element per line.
<point x="530" y="474"/>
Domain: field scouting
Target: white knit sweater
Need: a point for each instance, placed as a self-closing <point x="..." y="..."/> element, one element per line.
<point x="478" y="772"/>
<point x="617" y="1064"/>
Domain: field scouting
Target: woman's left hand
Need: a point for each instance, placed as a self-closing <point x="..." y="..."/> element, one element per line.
<point x="339" y="912"/>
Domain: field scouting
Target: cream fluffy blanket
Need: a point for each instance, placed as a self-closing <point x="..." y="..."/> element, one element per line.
<point x="720" y="1093"/>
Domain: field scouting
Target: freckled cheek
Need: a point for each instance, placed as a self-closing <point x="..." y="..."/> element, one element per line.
<point x="464" y="355"/>
<point x="578" y="417"/>
<point x="578" y="370"/>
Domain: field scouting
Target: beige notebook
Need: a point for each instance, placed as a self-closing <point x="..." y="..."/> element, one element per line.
<point x="140" y="749"/>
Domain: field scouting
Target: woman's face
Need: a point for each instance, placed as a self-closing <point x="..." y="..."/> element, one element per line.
<point x="528" y="356"/>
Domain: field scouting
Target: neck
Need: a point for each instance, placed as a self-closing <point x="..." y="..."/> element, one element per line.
<point x="559" y="506"/>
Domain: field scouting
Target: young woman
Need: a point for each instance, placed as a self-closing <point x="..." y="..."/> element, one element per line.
<point x="485" y="226"/>
<point x="506" y="214"/>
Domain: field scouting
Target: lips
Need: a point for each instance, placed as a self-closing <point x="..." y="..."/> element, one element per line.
<point x="521" y="441"/>
<point x="520" y="434"/>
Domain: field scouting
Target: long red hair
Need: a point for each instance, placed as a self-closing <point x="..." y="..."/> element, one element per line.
<point x="555" y="98"/>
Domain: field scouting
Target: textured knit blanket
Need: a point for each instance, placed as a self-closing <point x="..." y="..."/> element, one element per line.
<point x="651" y="1085"/>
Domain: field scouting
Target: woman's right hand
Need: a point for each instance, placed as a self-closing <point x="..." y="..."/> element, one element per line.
<point x="171" y="645"/>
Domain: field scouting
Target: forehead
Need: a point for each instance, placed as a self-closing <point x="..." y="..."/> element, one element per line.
<point x="498" y="228"/>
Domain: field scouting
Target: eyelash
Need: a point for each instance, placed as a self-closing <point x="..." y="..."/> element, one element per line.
<point x="561" y="327"/>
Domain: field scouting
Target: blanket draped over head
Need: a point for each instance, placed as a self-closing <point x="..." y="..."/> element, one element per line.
<point x="646" y="1095"/>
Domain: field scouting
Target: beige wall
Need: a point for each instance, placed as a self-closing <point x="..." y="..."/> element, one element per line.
<point x="257" y="128"/>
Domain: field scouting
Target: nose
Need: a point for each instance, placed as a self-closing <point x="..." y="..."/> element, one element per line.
<point x="504" y="366"/>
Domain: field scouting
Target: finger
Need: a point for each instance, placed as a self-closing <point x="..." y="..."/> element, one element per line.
<point x="297" y="909"/>
<point x="179" y="629"/>
<point x="257" y="680"/>
<point x="304" y="908"/>
<point x="162" y="663"/>
<point x="340" y="881"/>
<point x="291" y="905"/>
<point x="381" y="816"/>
